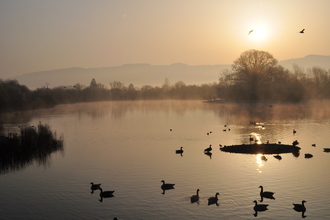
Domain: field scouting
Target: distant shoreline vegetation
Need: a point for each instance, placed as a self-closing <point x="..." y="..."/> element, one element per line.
<point x="18" y="150"/>
<point x="255" y="77"/>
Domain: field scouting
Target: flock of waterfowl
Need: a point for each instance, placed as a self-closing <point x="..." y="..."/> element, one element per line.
<point x="103" y="194"/>
<point x="258" y="207"/>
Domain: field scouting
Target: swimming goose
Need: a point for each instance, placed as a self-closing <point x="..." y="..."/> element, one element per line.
<point x="167" y="185"/>
<point x="194" y="198"/>
<point x="208" y="149"/>
<point x="179" y="151"/>
<point x="300" y="207"/>
<point x="266" y="194"/>
<point x="214" y="199"/>
<point x="95" y="186"/>
<point x="260" y="207"/>
<point x="106" y="193"/>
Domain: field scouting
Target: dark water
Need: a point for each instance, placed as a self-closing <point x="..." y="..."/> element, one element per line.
<point x="128" y="147"/>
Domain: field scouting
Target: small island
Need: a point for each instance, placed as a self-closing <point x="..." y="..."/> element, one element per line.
<point x="269" y="148"/>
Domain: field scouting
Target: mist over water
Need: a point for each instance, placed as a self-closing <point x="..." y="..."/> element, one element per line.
<point x="128" y="146"/>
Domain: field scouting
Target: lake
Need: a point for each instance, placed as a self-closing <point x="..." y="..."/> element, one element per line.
<point x="129" y="147"/>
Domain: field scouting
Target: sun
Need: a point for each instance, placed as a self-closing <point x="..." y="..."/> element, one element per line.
<point x="258" y="35"/>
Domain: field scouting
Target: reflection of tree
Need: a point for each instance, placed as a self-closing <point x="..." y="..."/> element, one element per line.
<point x="32" y="145"/>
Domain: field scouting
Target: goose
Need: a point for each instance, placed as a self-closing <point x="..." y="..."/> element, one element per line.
<point x="326" y="149"/>
<point x="179" y="151"/>
<point x="313" y="145"/>
<point x="294" y="131"/>
<point x="266" y="194"/>
<point x="106" y="194"/>
<point x="214" y="199"/>
<point x="260" y="207"/>
<point x="302" y="31"/>
<point x="299" y="207"/>
<point x="167" y="185"/>
<point x="250" y="32"/>
<point x="208" y="149"/>
<point x="95" y="186"/>
<point x="194" y="198"/>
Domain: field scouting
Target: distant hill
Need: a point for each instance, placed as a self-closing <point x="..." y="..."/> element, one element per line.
<point x="146" y="74"/>
<point x="308" y="61"/>
<point x="137" y="74"/>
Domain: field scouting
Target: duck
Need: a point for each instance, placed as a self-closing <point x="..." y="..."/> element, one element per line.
<point x="266" y="194"/>
<point x="294" y="131"/>
<point x="214" y="199"/>
<point x="260" y="207"/>
<point x="194" y="198"/>
<point x="208" y="149"/>
<point x="179" y="151"/>
<point x="95" y="186"/>
<point x="105" y="194"/>
<point x="299" y="207"/>
<point x="167" y="185"/>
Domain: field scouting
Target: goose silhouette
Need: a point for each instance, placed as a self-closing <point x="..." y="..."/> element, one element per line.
<point x="106" y="194"/>
<point x="194" y="198"/>
<point x="208" y="149"/>
<point x="299" y="207"/>
<point x="302" y="31"/>
<point x="266" y="194"/>
<point x="214" y="199"/>
<point x="95" y="186"/>
<point x="166" y="186"/>
<point x="260" y="207"/>
<point x="179" y="151"/>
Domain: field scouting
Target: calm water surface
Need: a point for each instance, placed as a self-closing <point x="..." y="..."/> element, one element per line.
<point x="129" y="148"/>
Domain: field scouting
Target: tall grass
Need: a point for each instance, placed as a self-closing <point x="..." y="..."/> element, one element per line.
<point x="17" y="150"/>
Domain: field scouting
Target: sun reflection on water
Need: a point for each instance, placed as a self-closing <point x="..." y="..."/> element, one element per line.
<point x="260" y="159"/>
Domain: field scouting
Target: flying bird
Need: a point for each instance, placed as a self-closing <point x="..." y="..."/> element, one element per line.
<point x="252" y="31"/>
<point x="302" y="31"/>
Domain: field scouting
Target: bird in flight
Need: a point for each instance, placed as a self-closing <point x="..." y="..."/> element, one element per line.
<point x="252" y="31"/>
<point x="302" y="31"/>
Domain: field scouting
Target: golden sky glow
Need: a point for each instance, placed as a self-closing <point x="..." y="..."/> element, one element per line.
<point x="45" y="35"/>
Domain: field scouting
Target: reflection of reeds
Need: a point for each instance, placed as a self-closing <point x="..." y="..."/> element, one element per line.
<point x="32" y="144"/>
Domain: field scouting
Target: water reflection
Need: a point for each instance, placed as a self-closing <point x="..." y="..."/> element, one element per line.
<point x="208" y="153"/>
<point x="259" y="162"/>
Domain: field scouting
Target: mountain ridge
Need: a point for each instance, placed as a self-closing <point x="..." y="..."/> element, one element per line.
<point x="141" y="74"/>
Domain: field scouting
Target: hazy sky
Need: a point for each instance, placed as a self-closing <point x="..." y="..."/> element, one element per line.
<point x="39" y="35"/>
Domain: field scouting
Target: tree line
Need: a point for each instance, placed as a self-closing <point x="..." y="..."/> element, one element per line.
<point x="255" y="77"/>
